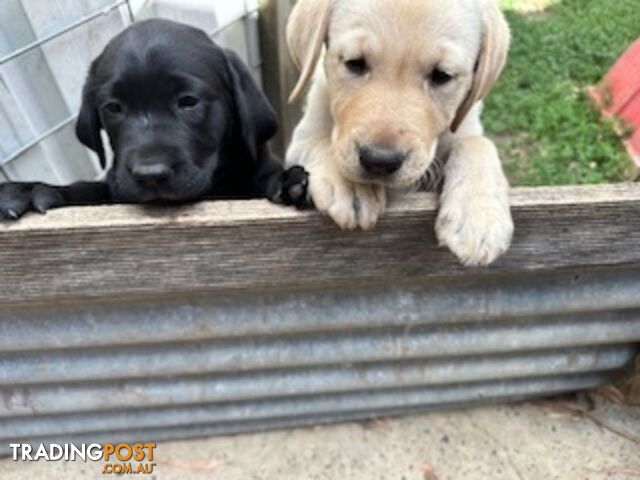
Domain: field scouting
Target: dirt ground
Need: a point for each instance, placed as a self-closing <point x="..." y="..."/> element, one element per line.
<point x="532" y="441"/>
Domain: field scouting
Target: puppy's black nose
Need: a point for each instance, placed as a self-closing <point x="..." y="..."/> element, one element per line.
<point x="381" y="161"/>
<point x="151" y="172"/>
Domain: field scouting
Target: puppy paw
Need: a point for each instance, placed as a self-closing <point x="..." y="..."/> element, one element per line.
<point x="16" y="199"/>
<point x="293" y="189"/>
<point x="349" y="204"/>
<point x="477" y="229"/>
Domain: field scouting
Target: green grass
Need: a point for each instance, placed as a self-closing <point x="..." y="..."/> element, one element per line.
<point x="548" y="132"/>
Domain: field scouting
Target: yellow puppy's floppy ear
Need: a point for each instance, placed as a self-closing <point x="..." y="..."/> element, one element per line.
<point x="496" y="38"/>
<point x="307" y="31"/>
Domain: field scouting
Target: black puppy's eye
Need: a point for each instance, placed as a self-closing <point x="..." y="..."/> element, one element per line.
<point x="113" y="108"/>
<point x="357" y="66"/>
<point x="439" y="77"/>
<point x="187" y="101"/>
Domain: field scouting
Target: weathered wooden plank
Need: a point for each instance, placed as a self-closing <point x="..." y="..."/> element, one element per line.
<point x="123" y="251"/>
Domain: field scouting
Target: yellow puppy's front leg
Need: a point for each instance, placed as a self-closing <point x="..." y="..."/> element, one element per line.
<point x="475" y="217"/>
<point x="350" y="205"/>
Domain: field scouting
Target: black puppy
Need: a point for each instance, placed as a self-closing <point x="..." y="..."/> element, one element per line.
<point x="185" y="121"/>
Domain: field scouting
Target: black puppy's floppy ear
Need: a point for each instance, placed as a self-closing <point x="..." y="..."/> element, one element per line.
<point x="258" y="121"/>
<point x="88" y="125"/>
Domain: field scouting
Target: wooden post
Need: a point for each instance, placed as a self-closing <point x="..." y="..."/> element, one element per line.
<point x="278" y="72"/>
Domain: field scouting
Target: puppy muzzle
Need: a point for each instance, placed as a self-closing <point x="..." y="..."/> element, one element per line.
<point x="379" y="161"/>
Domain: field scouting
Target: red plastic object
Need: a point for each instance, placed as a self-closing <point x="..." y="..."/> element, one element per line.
<point x="618" y="96"/>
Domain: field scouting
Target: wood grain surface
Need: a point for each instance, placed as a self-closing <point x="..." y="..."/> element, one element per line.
<point x="125" y="251"/>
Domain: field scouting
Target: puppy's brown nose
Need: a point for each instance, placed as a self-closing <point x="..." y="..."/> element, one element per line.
<point x="151" y="172"/>
<point x="381" y="161"/>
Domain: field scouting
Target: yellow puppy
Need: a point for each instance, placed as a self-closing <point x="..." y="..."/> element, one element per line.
<point x="395" y="102"/>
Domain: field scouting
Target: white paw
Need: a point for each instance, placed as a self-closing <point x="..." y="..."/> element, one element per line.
<point x="477" y="228"/>
<point x="350" y="205"/>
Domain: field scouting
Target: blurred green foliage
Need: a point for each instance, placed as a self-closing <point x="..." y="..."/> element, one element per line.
<point x="548" y="131"/>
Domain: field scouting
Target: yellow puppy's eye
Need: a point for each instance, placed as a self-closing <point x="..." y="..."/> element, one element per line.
<point x="438" y="77"/>
<point x="357" y="66"/>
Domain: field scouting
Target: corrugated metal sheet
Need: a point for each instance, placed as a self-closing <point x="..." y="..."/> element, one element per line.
<point x="210" y="365"/>
<point x="204" y="420"/>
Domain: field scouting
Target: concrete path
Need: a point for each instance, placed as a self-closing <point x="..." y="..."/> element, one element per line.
<point x="534" y="441"/>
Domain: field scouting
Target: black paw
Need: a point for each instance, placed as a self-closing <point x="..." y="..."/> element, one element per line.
<point x="16" y="199"/>
<point x="294" y="188"/>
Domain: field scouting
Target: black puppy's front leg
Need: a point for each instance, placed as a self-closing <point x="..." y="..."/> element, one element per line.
<point x="16" y="199"/>
<point x="293" y="188"/>
<point x="283" y="186"/>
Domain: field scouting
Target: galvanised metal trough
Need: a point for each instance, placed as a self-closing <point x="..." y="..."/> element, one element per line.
<point x="133" y="323"/>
